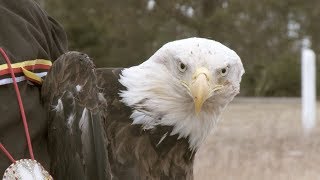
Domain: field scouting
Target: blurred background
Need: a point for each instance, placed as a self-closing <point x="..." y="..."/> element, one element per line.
<point x="266" y="33"/>
<point x="257" y="138"/>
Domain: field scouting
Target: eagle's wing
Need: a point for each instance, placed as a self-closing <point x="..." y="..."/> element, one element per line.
<point x="77" y="143"/>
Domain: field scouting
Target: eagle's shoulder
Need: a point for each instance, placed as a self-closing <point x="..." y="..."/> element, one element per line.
<point x="108" y="82"/>
<point x="110" y="87"/>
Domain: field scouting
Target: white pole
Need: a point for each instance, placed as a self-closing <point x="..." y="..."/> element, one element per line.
<point x="308" y="71"/>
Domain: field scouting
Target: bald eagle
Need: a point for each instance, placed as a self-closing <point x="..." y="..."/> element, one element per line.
<point x="143" y="122"/>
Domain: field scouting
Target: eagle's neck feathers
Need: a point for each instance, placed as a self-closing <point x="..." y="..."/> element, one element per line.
<point x="156" y="99"/>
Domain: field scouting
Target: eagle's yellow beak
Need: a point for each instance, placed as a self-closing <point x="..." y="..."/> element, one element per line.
<point x="202" y="88"/>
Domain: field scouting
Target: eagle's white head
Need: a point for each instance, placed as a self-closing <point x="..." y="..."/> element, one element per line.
<point x="185" y="84"/>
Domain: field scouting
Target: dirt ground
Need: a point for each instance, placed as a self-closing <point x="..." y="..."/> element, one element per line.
<point x="260" y="139"/>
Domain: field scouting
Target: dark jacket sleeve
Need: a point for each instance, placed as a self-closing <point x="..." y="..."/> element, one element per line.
<point x="26" y="33"/>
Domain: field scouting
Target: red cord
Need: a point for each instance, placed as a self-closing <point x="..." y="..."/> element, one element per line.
<point x="7" y="153"/>
<point x="24" y="120"/>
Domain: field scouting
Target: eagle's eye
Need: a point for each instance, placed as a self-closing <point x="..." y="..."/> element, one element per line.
<point x="224" y="71"/>
<point x="182" y="67"/>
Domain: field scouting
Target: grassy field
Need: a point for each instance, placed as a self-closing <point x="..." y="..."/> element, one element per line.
<point x="260" y="139"/>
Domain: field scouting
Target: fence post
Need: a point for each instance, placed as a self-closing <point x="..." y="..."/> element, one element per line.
<point x="308" y="73"/>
